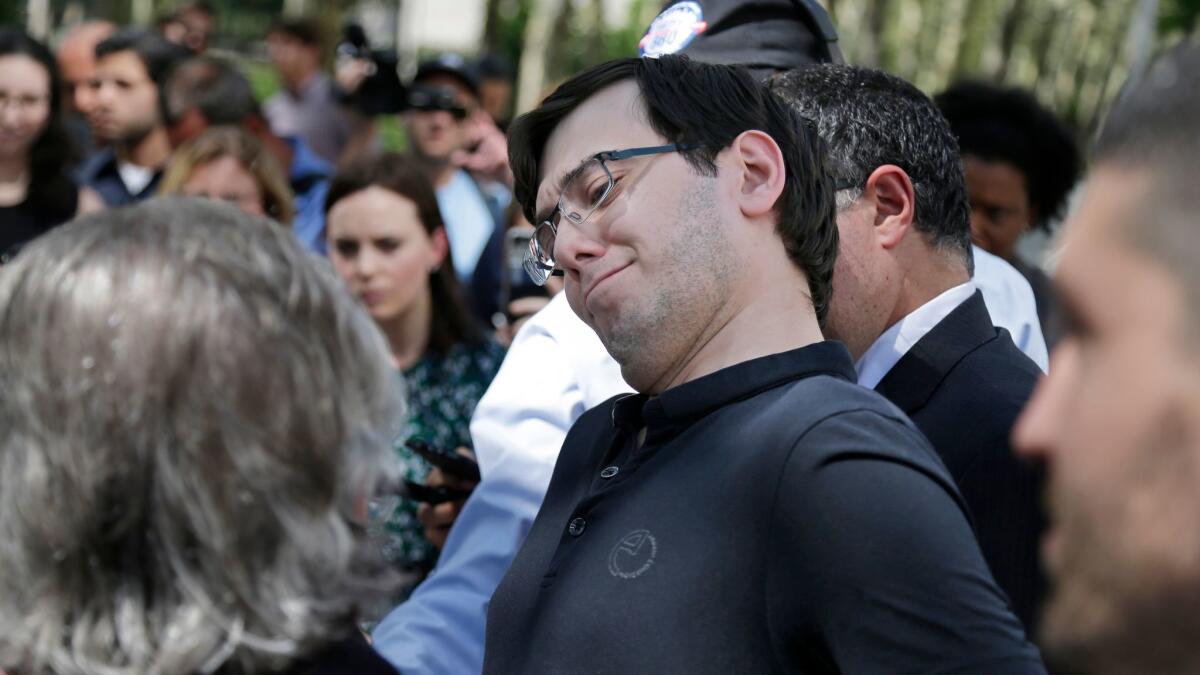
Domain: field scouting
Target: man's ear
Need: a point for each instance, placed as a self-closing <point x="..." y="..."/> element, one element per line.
<point x="891" y="192"/>
<point x="758" y="163"/>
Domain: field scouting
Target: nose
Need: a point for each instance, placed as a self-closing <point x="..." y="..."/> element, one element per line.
<point x="576" y="245"/>
<point x="1038" y="430"/>
<point x="365" y="263"/>
<point x="104" y="93"/>
<point x="9" y="115"/>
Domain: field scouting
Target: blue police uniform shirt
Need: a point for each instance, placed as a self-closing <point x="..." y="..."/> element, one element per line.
<point x="776" y="518"/>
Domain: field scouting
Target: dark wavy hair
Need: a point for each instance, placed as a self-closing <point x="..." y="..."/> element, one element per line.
<point x="452" y="321"/>
<point x="1007" y="124"/>
<point x="51" y="189"/>
<point x="706" y="106"/>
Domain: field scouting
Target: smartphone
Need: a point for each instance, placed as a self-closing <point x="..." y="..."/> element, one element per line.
<point x="449" y="461"/>
<point x="433" y="495"/>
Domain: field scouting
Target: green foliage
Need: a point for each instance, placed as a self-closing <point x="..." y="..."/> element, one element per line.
<point x="263" y="78"/>
<point x="391" y="133"/>
<point x="11" y="13"/>
<point x="581" y="38"/>
<point x="505" y="30"/>
<point x="1179" y="16"/>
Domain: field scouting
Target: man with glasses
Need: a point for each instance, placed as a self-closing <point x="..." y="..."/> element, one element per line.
<point x="441" y="122"/>
<point x="750" y="509"/>
<point x="906" y="307"/>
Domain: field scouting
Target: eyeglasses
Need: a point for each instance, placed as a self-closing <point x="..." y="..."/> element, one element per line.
<point x="431" y="99"/>
<point x="584" y="191"/>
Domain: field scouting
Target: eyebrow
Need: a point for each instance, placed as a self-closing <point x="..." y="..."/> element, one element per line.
<point x="561" y="183"/>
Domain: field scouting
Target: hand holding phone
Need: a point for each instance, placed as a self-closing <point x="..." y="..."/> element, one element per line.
<point x="455" y="474"/>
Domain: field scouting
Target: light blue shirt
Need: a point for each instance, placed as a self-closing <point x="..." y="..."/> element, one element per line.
<point x="1009" y="300"/>
<point x="311" y="173"/>
<point x="469" y="223"/>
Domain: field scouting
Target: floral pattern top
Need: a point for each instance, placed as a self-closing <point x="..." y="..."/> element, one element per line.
<point x="442" y="394"/>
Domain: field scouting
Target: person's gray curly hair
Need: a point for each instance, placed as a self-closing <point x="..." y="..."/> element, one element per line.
<point x="194" y="412"/>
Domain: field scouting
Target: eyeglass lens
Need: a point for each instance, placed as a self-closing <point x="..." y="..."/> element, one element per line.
<point x="580" y="198"/>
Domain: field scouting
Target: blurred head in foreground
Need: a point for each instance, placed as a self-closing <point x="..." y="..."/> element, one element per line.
<point x="195" y="413"/>
<point x="1117" y="421"/>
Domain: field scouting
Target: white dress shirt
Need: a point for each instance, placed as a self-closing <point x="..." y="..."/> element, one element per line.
<point x="556" y="369"/>
<point x="1010" y="303"/>
<point x="889" y="348"/>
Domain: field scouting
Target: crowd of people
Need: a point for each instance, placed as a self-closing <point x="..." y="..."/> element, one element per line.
<point x="724" y="358"/>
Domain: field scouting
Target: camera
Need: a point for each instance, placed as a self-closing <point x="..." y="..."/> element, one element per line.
<point x="381" y="93"/>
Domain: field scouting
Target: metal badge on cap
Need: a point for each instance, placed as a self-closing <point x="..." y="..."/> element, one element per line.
<point x="673" y="29"/>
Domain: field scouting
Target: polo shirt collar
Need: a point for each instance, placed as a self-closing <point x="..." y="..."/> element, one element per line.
<point x="678" y="407"/>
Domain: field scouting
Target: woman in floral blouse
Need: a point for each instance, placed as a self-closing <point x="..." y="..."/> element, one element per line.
<point x="388" y="242"/>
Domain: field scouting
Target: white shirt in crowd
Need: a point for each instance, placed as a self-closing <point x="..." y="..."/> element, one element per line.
<point x="1009" y="299"/>
<point x="135" y="177"/>
<point x="555" y="370"/>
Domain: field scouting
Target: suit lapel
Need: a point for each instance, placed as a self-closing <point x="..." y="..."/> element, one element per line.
<point x="915" y="377"/>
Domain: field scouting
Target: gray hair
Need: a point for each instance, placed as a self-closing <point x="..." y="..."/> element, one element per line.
<point x="193" y="410"/>
<point x="869" y="118"/>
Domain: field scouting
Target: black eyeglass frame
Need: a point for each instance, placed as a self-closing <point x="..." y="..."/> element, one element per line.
<point x="537" y="270"/>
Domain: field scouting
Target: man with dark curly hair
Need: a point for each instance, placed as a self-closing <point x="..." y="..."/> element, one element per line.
<point x="1021" y="163"/>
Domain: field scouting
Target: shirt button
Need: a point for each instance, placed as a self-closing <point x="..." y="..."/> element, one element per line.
<point x="609" y="472"/>
<point x="576" y="527"/>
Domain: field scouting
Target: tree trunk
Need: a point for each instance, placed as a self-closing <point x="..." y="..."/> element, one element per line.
<point x="1008" y="36"/>
<point x="491" y="26"/>
<point x="1079" y="80"/>
<point x="532" y="73"/>
<point x="1044" y="47"/>
<point x="973" y="39"/>
<point x="596" y="30"/>
<point x="37" y="19"/>
<point x="871" y="34"/>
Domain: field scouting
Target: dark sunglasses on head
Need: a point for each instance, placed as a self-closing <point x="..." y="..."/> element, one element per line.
<point x="428" y="99"/>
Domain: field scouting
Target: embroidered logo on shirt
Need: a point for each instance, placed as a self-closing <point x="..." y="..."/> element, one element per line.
<point x="633" y="555"/>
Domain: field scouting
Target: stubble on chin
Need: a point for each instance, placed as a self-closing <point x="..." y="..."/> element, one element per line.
<point x="1126" y="592"/>
<point x="657" y="332"/>
<point x="1140" y="625"/>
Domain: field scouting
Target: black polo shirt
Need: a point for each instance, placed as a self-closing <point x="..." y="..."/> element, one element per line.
<point x="777" y="518"/>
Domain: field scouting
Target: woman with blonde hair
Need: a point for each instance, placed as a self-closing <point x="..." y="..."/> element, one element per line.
<point x="228" y="163"/>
